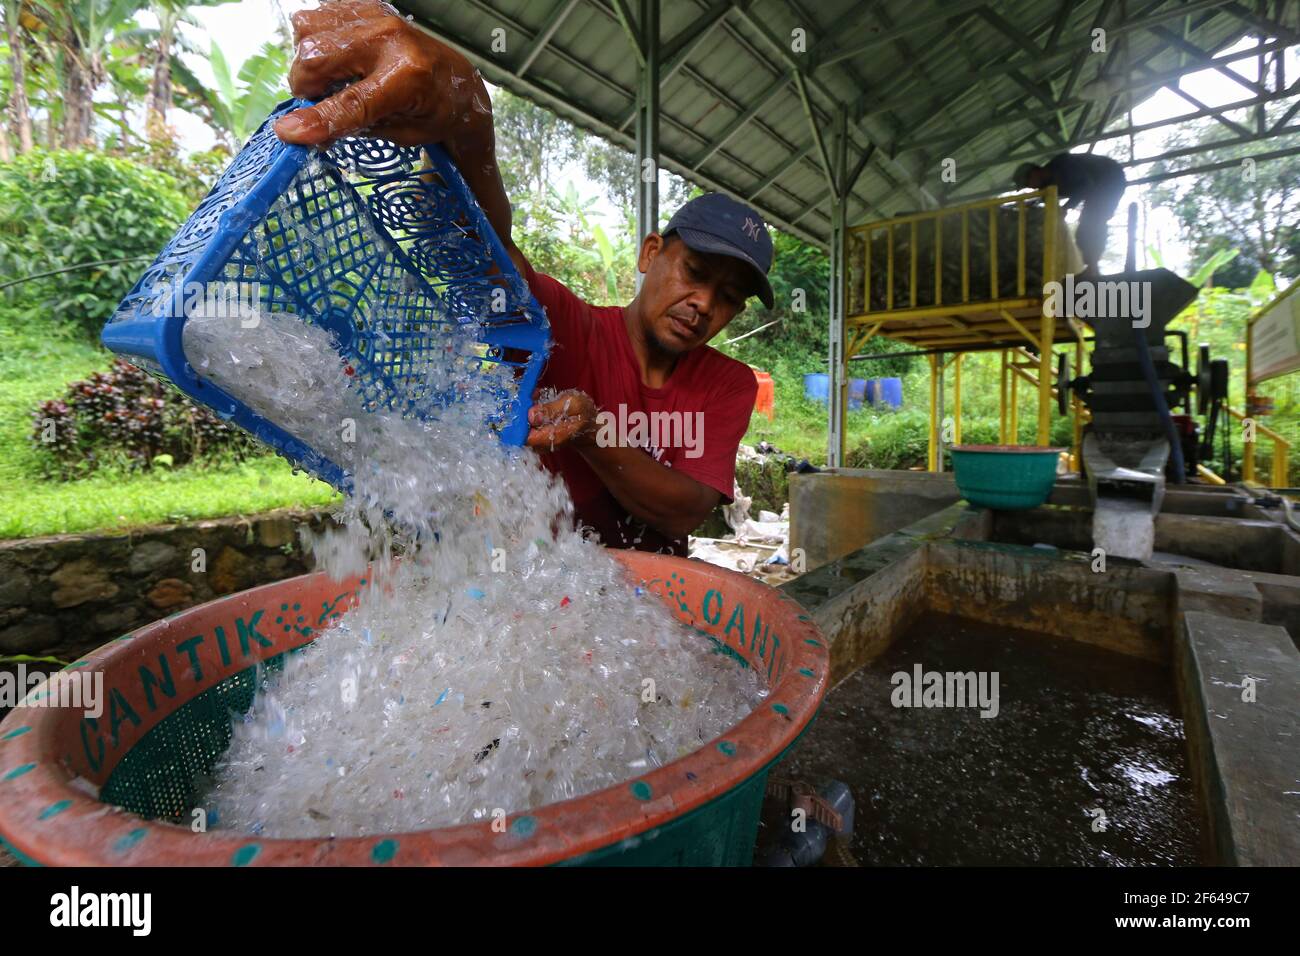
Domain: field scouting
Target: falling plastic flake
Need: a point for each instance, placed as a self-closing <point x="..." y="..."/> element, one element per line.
<point x="453" y="681"/>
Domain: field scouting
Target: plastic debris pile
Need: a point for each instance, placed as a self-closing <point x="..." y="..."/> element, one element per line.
<point x="757" y="547"/>
<point x="501" y="663"/>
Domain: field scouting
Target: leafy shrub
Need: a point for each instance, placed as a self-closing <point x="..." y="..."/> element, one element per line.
<point x="126" y="416"/>
<point x="895" y="440"/>
<point x="193" y="174"/>
<point x="67" y="207"/>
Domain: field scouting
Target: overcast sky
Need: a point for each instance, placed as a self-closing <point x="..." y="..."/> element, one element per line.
<point x="241" y="28"/>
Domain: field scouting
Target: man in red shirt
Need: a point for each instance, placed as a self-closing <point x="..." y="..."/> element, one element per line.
<point x="645" y="434"/>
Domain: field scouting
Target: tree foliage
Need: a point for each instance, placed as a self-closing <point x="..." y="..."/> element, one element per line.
<point x="1248" y="206"/>
<point x="65" y="208"/>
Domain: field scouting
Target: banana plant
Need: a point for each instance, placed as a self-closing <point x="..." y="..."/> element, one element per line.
<point x="171" y="14"/>
<point x="1203" y="274"/>
<point x="606" y="250"/>
<point x="237" y="103"/>
<point x="16" y="80"/>
<point x="82" y="31"/>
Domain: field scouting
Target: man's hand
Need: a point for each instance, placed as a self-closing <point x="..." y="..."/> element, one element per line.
<point x="401" y="85"/>
<point x="569" y="418"/>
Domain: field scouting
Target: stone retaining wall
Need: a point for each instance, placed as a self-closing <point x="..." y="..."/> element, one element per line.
<point x="63" y="596"/>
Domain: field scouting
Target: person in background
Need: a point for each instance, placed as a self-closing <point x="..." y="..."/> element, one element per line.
<point x="1096" y="182"/>
<point x="374" y="71"/>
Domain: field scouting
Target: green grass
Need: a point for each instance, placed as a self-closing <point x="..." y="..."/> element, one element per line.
<point x="799" y="428"/>
<point x="110" y="501"/>
<point x="35" y="367"/>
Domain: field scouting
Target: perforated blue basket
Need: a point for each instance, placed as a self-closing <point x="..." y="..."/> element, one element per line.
<point x="407" y="257"/>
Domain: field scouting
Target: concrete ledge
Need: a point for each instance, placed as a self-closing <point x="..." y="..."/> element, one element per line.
<point x="1213" y="591"/>
<point x="1241" y="543"/>
<point x="835" y="512"/>
<point x="1127" y="608"/>
<point x="858" y="618"/>
<point x="1245" y="754"/>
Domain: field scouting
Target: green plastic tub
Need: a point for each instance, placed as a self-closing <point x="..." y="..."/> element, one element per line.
<point x="1005" y="477"/>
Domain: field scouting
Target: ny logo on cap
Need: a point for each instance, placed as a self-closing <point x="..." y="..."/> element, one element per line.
<point x="752" y="228"/>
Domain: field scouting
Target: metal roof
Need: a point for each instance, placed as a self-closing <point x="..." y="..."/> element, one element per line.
<point x="987" y="83"/>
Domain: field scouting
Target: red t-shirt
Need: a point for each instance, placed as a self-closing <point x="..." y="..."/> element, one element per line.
<point x="591" y="352"/>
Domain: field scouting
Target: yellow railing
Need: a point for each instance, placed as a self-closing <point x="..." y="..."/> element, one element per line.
<point x="1279" y="473"/>
<point x="1281" y="447"/>
<point x="935" y="219"/>
<point x="1018" y="312"/>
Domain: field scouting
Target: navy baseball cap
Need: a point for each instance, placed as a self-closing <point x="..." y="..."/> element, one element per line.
<point x="717" y="223"/>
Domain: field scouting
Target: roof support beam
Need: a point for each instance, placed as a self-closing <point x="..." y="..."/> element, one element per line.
<point x="1175" y="154"/>
<point x="713" y="90"/>
<point x="1205" y="58"/>
<point x="557" y="101"/>
<point x="1286" y="117"/>
<point x="647" y="124"/>
<point x="785" y="54"/>
<point x="856" y="171"/>
<point x="1076" y="66"/>
<point x="1019" y="116"/>
<point x="679" y="50"/>
<point x="954" y="146"/>
<point x="615" y="135"/>
<point x="1151" y="80"/>
<point x="1012" y="33"/>
<point x="1262" y="23"/>
<point x="949" y="10"/>
<point x="1062" y="17"/>
<point x="1211" y="167"/>
<point x="886" y="157"/>
<point x="624" y="15"/>
<point x="1217" y="114"/>
<point x="816" y="131"/>
<point x="779" y="84"/>
<point x="538" y="43"/>
<point x="964" y="80"/>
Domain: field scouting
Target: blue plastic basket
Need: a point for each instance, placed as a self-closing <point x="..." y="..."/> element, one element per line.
<point x="407" y="256"/>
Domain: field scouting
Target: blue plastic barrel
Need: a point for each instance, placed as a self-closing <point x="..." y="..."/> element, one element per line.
<point x="887" y="391"/>
<point x="817" y="387"/>
<point x="859" y="389"/>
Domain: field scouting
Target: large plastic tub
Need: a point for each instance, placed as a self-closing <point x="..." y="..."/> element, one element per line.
<point x="1005" y="477"/>
<point x="859" y="392"/>
<point x="817" y="386"/>
<point x="887" y="391"/>
<point x="170" y="689"/>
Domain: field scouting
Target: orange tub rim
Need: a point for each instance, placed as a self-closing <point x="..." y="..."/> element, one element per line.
<point x="45" y="818"/>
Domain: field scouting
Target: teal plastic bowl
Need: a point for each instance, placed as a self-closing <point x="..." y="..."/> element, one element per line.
<point x="1005" y="477"/>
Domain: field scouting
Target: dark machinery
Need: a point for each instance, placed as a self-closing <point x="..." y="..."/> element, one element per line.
<point x="1135" y="442"/>
<point x="1200" y="394"/>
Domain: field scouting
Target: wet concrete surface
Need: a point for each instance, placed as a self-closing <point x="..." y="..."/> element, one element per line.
<point x="1078" y="730"/>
